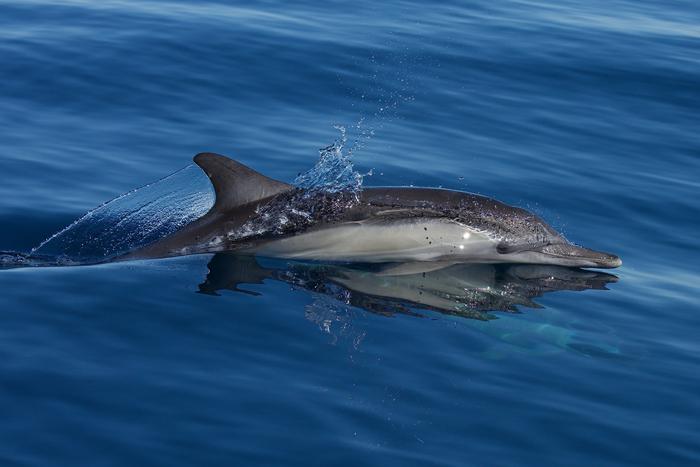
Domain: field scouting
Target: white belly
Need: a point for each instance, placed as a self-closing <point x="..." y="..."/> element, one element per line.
<point x="405" y="240"/>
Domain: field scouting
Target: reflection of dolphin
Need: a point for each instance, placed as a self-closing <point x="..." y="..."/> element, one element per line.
<point x="256" y="214"/>
<point x="460" y="290"/>
<point x="468" y="290"/>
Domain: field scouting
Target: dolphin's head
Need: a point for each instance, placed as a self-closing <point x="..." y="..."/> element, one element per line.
<point x="527" y="238"/>
<point x="550" y="247"/>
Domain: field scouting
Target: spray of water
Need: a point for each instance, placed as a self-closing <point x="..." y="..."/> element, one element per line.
<point x="334" y="171"/>
<point x="326" y="190"/>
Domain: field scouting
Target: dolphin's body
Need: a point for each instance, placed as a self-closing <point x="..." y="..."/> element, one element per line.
<point x="392" y="224"/>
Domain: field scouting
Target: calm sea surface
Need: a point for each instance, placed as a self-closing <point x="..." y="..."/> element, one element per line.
<point x="584" y="112"/>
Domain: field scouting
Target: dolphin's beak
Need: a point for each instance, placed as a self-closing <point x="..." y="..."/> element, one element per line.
<point x="581" y="257"/>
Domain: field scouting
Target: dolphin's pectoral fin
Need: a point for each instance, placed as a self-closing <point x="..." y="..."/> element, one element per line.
<point x="234" y="183"/>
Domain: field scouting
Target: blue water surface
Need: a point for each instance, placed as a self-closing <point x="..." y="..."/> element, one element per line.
<point x="584" y="112"/>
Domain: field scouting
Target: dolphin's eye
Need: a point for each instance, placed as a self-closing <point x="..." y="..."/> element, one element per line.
<point x="502" y="248"/>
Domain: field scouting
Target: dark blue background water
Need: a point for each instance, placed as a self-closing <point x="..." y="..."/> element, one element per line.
<point x="585" y="112"/>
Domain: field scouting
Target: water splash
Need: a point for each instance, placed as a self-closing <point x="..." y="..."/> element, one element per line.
<point x="326" y="190"/>
<point x="334" y="171"/>
<point x="132" y="220"/>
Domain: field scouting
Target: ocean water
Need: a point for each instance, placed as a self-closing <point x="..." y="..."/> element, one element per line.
<point x="584" y="112"/>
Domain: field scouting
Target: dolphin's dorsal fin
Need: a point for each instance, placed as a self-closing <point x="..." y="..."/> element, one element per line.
<point x="234" y="183"/>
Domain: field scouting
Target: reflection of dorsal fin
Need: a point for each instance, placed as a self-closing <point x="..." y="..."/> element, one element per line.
<point x="229" y="270"/>
<point x="234" y="183"/>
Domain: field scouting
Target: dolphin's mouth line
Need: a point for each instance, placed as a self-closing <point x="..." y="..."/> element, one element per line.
<point x="606" y="263"/>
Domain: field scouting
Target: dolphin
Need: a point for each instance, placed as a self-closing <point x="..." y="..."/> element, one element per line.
<point x="254" y="214"/>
